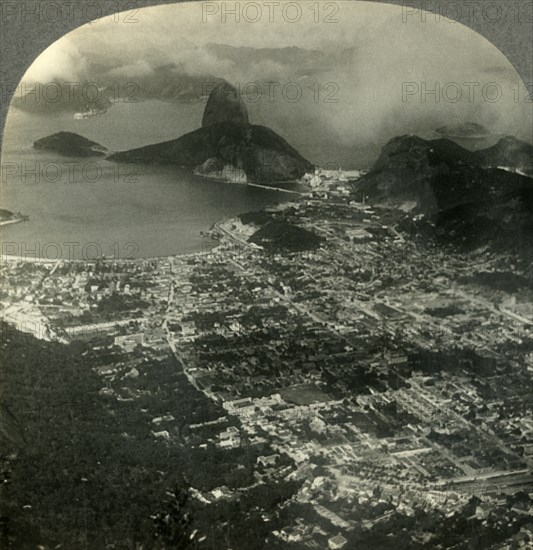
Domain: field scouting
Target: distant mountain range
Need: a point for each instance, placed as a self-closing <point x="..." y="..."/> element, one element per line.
<point x="59" y="96"/>
<point x="165" y="83"/>
<point x="471" y="198"/>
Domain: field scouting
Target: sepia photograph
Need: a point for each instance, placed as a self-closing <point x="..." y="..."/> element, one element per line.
<point x="266" y="276"/>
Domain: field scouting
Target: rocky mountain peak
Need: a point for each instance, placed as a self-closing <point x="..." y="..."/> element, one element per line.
<point x="225" y="105"/>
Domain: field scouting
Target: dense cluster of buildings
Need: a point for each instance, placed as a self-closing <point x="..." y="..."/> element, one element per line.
<point x="382" y="374"/>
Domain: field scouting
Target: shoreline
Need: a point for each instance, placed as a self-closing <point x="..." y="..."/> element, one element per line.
<point x="204" y="250"/>
<point x="18" y="258"/>
<point x="15" y="220"/>
<point x="31" y="259"/>
<point x="45" y="261"/>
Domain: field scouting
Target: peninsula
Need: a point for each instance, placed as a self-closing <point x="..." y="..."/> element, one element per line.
<point x="227" y="147"/>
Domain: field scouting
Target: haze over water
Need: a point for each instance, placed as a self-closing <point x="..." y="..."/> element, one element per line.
<point x="160" y="209"/>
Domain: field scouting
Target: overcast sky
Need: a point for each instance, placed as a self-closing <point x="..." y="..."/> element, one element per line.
<point x="369" y="54"/>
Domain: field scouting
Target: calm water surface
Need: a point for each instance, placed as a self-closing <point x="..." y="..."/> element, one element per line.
<point x="101" y="206"/>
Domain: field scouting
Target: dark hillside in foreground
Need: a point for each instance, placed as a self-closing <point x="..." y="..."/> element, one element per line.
<point x="92" y="474"/>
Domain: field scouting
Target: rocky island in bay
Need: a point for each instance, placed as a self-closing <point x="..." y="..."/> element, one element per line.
<point x="71" y="145"/>
<point x="227" y="146"/>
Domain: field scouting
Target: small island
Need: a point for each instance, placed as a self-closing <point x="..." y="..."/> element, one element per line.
<point x="71" y="145"/>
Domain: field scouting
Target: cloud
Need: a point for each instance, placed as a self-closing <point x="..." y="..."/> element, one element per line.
<point x="368" y="55"/>
<point x="61" y="61"/>
<point x="140" y="68"/>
